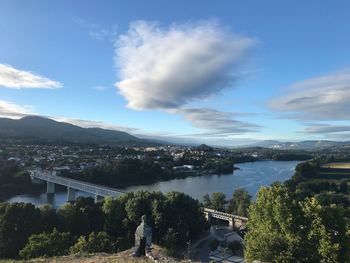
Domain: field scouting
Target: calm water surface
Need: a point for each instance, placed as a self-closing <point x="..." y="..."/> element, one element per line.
<point x="251" y="176"/>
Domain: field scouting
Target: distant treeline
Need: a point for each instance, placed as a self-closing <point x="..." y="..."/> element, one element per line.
<point x="14" y="180"/>
<point x="135" y="171"/>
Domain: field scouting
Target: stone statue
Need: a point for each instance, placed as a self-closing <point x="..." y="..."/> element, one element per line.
<point x="143" y="239"/>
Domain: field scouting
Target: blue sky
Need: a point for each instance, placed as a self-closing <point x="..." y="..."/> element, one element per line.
<point x="226" y="73"/>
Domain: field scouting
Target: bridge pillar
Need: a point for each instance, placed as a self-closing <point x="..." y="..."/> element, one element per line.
<point x="209" y="217"/>
<point x="70" y="194"/>
<point x="231" y="223"/>
<point x="50" y="189"/>
<point x="98" y="198"/>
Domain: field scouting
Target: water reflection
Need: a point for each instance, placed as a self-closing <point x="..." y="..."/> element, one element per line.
<point x="250" y="176"/>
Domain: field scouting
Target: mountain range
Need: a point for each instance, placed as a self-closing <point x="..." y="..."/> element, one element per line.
<point x="302" y="145"/>
<point x="40" y="128"/>
<point x="45" y="129"/>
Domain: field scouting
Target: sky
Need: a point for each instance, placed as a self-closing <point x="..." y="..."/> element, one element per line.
<point x="217" y="72"/>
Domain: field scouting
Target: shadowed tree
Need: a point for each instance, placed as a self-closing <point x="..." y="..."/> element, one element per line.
<point x="240" y="202"/>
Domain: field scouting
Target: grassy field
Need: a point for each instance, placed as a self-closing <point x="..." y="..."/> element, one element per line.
<point x="336" y="165"/>
<point x="334" y="171"/>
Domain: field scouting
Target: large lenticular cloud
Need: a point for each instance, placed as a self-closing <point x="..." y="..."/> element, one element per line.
<point x="166" y="68"/>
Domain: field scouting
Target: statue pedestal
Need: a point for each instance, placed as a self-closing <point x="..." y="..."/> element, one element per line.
<point x="143" y="239"/>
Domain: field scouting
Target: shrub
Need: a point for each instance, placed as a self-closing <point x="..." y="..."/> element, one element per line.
<point x="46" y="245"/>
<point x="94" y="243"/>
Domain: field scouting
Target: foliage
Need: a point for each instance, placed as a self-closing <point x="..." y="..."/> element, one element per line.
<point x="117" y="217"/>
<point x="173" y="210"/>
<point x="17" y="222"/>
<point x="224" y="166"/>
<point x="13" y="180"/>
<point x="240" y="202"/>
<point x="170" y="242"/>
<point x="184" y="215"/>
<point x="46" y="245"/>
<point x="94" y="243"/>
<point x="217" y="201"/>
<point x="81" y="217"/>
<point x="122" y="172"/>
<point x="206" y="200"/>
<point x="282" y="229"/>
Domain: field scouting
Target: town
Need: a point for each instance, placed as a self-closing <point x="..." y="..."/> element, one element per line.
<point x="178" y="158"/>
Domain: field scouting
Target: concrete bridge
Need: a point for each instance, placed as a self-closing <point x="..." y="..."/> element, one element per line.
<point x="233" y="220"/>
<point x="72" y="185"/>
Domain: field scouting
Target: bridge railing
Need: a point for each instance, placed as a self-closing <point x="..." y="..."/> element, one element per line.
<point x="79" y="185"/>
<point x="213" y="212"/>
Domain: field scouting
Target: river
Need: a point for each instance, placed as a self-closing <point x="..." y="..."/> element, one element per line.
<point x="250" y="176"/>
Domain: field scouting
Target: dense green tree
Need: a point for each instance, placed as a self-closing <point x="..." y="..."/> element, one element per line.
<point x="46" y="245"/>
<point x="206" y="200"/>
<point x="17" y="222"/>
<point x="327" y="230"/>
<point x="183" y="214"/>
<point x="118" y="216"/>
<point x="49" y="218"/>
<point x="73" y="219"/>
<point x="81" y="217"/>
<point x="240" y="202"/>
<point x="114" y="215"/>
<point x="171" y="242"/>
<point x="218" y="201"/>
<point x="271" y="226"/>
<point x="282" y="229"/>
<point x="13" y="180"/>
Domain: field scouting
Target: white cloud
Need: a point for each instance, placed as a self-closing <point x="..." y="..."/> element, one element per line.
<point x="94" y="124"/>
<point x="19" y="79"/>
<point x="11" y="110"/>
<point x="164" y="68"/>
<point x="323" y="98"/>
<point x="216" y="122"/>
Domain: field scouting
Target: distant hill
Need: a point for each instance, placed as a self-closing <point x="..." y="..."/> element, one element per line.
<point x="34" y="127"/>
<point x="302" y="145"/>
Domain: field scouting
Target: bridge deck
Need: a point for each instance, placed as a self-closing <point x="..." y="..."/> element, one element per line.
<point x="79" y="185"/>
<point x="223" y="215"/>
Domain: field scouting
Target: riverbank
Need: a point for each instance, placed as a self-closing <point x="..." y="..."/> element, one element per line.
<point x="250" y="176"/>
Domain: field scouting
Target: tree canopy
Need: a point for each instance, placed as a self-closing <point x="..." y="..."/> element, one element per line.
<point x="282" y="229"/>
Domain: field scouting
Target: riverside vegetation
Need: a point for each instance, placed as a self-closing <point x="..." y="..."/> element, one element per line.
<point x="86" y="227"/>
<point x="305" y="219"/>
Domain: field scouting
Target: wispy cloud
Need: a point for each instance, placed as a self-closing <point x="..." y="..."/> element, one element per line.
<point x="94" y="124"/>
<point x="323" y="98"/>
<point x="19" y="79"/>
<point x="167" y="68"/>
<point x="9" y="109"/>
<point x="325" y="128"/>
<point x="99" y="88"/>
<point x="216" y="122"/>
<point x="96" y="31"/>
